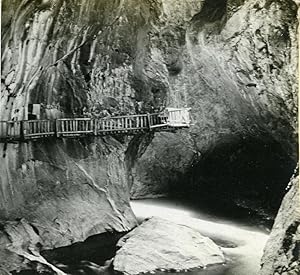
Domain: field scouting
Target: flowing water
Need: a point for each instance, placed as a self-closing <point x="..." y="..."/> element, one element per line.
<point x="241" y="241"/>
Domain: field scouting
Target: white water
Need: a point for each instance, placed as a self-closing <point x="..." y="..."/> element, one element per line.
<point x="242" y="244"/>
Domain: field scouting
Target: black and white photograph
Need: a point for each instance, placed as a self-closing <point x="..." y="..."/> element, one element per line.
<point x="149" y="137"/>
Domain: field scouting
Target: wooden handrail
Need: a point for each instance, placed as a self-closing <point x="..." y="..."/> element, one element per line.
<point x="75" y="118"/>
<point x="68" y="127"/>
<point x="142" y="115"/>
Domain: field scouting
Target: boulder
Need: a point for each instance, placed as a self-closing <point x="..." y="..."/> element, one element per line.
<point x="158" y="244"/>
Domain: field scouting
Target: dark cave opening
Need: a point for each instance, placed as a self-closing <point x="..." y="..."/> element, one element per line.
<point x="243" y="178"/>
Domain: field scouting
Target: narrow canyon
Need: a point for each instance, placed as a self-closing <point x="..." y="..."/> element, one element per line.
<point x="224" y="191"/>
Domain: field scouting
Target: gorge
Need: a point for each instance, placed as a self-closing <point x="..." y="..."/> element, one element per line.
<point x="234" y="63"/>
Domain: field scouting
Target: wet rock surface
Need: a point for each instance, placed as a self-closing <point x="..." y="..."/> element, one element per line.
<point x="157" y="169"/>
<point x="235" y="65"/>
<point x="20" y="244"/>
<point x="67" y="191"/>
<point x="158" y="244"/>
<point x="282" y="251"/>
<point x="233" y="62"/>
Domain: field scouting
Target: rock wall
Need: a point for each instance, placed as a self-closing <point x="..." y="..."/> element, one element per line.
<point x="76" y="57"/>
<point x="233" y="62"/>
<point x="73" y="58"/>
<point x="157" y="166"/>
<point x="282" y="252"/>
<point x="80" y="57"/>
<point x="64" y="191"/>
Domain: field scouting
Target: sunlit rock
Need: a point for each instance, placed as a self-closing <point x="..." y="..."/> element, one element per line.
<point x="160" y="244"/>
<point x="67" y="190"/>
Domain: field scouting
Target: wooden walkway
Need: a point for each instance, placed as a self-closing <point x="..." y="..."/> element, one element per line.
<point x="172" y="118"/>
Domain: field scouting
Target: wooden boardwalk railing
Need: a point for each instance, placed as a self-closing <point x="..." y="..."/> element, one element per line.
<point x="72" y="127"/>
<point x="38" y="128"/>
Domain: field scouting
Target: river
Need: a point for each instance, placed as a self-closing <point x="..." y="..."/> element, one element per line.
<point x="242" y="242"/>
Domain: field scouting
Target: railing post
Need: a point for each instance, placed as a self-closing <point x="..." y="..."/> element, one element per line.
<point x="56" y="128"/>
<point x="118" y="123"/>
<point x="8" y="130"/>
<point x="126" y="122"/>
<point x="62" y="125"/>
<point x="123" y="123"/>
<point x="149" y="120"/>
<point x="130" y="123"/>
<point x="95" y="124"/>
<point x="22" y="136"/>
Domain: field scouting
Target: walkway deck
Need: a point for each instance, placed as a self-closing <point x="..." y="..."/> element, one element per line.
<point x="24" y="130"/>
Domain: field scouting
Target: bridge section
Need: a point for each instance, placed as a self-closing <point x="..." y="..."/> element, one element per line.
<point x="171" y="118"/>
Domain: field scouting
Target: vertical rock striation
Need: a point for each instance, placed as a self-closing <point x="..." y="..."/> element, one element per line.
<point x="73" y="58"/>
<point x="64" y="191"/>
<point x="233" y="62"/>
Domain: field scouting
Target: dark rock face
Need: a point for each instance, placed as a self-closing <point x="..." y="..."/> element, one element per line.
<point x="93" y="255"/>
<point x="282" y="252"/>
<point x="233" y="62"/>
<point x="248" y="172"/>
<point x="160" y="165"/>
<point x="237" y="75"/>
<point x="73" y="58"/>
<point x="68" y="56"/>
<point x="236" y="67"/>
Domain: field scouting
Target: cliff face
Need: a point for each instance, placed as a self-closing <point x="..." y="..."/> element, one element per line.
<point x="233" y="62"/>
<point x="61" y="192"/>
<point x="235" y="65"/>
<point x="51" y="183"/>
<point x="282" y="252"/>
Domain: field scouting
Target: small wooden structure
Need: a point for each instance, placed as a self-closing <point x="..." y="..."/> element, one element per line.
<point x="178" y="117"/>
<point x="171" y="118"/>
